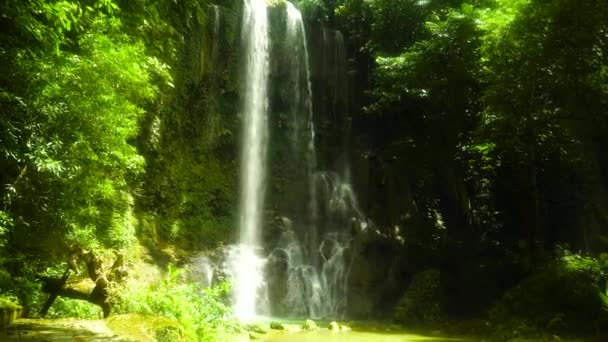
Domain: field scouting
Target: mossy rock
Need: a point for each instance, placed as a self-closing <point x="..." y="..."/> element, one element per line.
<point x="256" y="328"/>
<point x="9" y="311"/>
<point x="333" y="326"/>
<point x="234" y="326"/>
<point x="276" y="325"/>
<point x="169" y="334"/>
<point x="336" y="327"/>
<point x="139" y="327"/>
<point x="254" y="335"/>
<point x="309" y="325"/>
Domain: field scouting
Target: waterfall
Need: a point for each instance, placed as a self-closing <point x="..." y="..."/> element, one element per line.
<point x="296" y="38"/>
<point x="202" y="270"/>
<point x="340" y="101"/>
<point x="308" y="266"/>
<point x="319" y="289"/>
<point x="216" y="33"/>
<point x="296" y="35"/>
<point x="248" y="264"/>
<point x="314" y="249"/>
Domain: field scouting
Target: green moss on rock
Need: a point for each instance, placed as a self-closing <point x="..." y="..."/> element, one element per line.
<point x="309" y="325"/>
<point x="422" y="302"/>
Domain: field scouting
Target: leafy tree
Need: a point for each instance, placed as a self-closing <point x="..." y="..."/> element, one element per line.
<point x="72" y="90"/>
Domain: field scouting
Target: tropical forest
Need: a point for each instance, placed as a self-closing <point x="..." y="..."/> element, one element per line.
<point x="304" y="170"/>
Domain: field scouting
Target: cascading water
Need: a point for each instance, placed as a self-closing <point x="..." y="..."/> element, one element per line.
<point x="246" y="261"/>
<point x="320" y="289"/>
<point x="312" y="254"/>
<point x="216" y="33"/>
<point x="202" y="270"/>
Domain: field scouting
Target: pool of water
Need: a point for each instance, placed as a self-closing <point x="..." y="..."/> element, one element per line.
<point x="349" y="336"/>
<point x="359" y="331"/>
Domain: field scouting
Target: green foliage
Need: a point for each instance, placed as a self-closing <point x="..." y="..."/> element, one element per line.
<point x="79" y="83"/>
<point x="201" y="311"/>
<point x="6" y="223"/>
<point x="9" y="302"/>
<point x="561" y="297"/>
<point x="396" y="24"/>
<point x="65" y="307"/>
<point x="75" y="160"/>
<point x="168" y="334"/>
<point x="313" y="10"/>
<point x="604" y="297"/>
<point x="424" y="72"/>
<point x="491" y="113"/>
<point x="74" y="90"/>
<point x="422" y="302"/>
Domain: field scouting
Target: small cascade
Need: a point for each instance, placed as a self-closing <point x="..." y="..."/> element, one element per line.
<point x="202" y="270"/>
<point x="213" y="71"/>
<point x="338" y="196"/>
<point x="295" y="64"/>
<point x="339" y="74"/>
<point x="320" y="289"/>
<point x="216" y="33"/>
<point x="325" y="49"/>
<point x="334" y="273"/>
<point x="300" y="81"/>
<point x="338" y="212"/>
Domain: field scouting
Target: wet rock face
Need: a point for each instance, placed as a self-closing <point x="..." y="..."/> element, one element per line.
<point x="377" y="275"/>
<point x="335" y="327"/>
<point x="276" y="277"/>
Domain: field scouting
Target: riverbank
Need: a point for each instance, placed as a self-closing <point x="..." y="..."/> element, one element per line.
<point x="59" y="330"/>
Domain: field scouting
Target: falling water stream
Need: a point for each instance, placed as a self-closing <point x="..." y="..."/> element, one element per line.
<point x="216" y="33"/>
<point x="247" y="261"/>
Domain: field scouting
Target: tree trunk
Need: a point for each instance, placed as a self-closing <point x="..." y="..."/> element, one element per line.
<point x="98" y="294"/>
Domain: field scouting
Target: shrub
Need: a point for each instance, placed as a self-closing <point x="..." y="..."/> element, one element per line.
<point x="422" y="302"/>
<point x="200" y="311"/>
<point x="563" y="296"/>
<point x="66" y="307"/>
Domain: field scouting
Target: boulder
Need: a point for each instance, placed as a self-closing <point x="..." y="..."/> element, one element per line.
<point x="334" y="326"/>
<point x="277" y="325"/>
<point x="256" y="328"/>
<point x="344" y="328"/>
<point x="309" y="325"/>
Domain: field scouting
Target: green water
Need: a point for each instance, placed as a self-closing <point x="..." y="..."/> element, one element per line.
<point x="349" y="336"/>
<point x="362" y="331"/>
